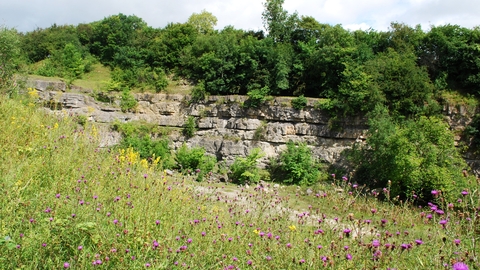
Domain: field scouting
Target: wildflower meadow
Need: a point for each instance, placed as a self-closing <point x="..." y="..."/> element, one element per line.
<point x="67" y="204"/>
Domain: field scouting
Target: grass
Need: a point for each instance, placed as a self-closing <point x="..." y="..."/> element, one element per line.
<point x="97" y="79"/>
<point x="68" y="204"/>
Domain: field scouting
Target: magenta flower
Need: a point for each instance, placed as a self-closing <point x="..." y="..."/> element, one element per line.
<point x="375" y="243"/>
<point x="457" y="242"/>
<point x="418" y="242"/>
<point x="80" y="247"/>
<point x="464" y="193"/>
<point x="147" y="265"/>
<point x="348" y="256"/>
<point x="66" y="265"/>
<point x="289" y="245"/>
<point x="460" y="266"/>
<point x="435" y="193"/>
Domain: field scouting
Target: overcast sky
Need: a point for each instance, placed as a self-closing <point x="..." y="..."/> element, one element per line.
<point x="27" y="15"/>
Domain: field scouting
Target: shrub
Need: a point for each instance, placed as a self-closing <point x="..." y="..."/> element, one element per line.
<point x="257" y="97"/>
<point x="47" y="69"/>
<point x="296" y="165"/>
<point x="149" y="148"/>
<point x="128" y="101"/>
<point x="190" y="127"/>
<point x="299" y="102"/>
<point x="198" y="93"/>
<point x="416" y="156"/>
<point x="245" y="170"/>
<point x="195" y="160"/>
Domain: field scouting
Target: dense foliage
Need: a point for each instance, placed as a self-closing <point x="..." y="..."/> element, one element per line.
<point x="296" y="166"/>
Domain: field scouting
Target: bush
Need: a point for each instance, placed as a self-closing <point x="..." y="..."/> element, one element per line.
<point x="128" y="101"/>
<point x="194" y="160"/>
<point x="245" y="170"/>
<point x="416" y="156"/>
<point x="296" y="165"/>
<point x="149" y="149"/>
<point x="190" y="127"/>
<point x="299" y="102"/>
<point x="198" y="93"/>
<point x="257" y="97"/>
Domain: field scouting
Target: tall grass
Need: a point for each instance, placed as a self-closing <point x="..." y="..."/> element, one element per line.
<point x="67" y="204"/>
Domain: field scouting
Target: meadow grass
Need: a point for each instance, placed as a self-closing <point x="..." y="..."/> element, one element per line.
<point x="68" y="204"/>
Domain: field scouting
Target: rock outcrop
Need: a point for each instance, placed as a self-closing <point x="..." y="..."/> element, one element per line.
<point x="225" y="128"/>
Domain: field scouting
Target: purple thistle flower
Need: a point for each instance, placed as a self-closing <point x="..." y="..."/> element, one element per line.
<point x="418" y="242"/>
<point x="464" y="193"/>
<point x="434" y="192"/>
<point x="457" y="242"/>
<point x="348" y="256"/>
<point x="66" y="265"/>
<point x="289" y="245"/>
<point x="460" y="266"/>
<point x="80" y="247"/>
<point x="302" y="261"/>
<point x="58" y="196"/>
<point x="375" y="243"/>
<point x="147" y="265"/>
<point x="249" y="262"/>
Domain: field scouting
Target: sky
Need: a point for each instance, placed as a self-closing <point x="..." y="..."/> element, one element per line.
<point x="28" y="15"/>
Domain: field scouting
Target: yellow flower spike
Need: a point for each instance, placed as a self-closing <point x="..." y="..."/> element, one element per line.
<point x="144" y="163"/>
<point x="55" y="126"/>
<point x="292" y="228"/>
<point x="256" y="231"/>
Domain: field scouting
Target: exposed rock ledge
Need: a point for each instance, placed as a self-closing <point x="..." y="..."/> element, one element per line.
<point x="225" y="128"/>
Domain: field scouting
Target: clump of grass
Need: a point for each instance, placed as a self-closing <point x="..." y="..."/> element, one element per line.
<point x="67" y="204"/>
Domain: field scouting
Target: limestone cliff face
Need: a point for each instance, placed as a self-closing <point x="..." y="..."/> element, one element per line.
<point x="225" y="128"/>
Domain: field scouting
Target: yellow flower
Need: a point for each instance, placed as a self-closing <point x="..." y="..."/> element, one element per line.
<point x="292" y="228"/>
<point x="256" y="231"/>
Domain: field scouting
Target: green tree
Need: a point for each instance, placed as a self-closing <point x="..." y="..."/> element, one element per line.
<point x="276" y="20"/>
<point x="416" y="156"/>
<point x="9" y="58"/>
<point x="113" y="40"/>
<point x="451" y="54"/>
<point x="204" y="21"/>
<point x="72" y="62"/>
<point x="167" y="47"/>
<point x="406" y="87"/>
